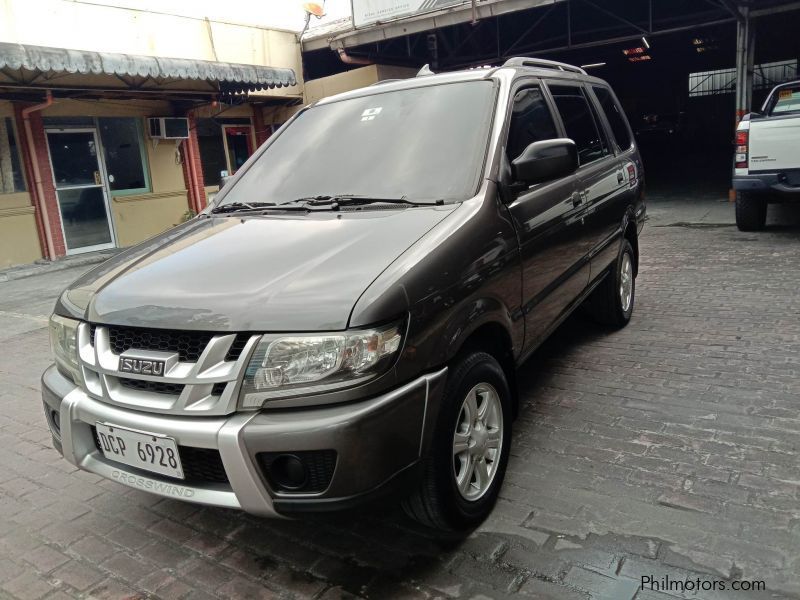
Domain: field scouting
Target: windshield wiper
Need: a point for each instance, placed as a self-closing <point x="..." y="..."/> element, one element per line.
<point x="240" y="206"/>
<point x="336" y="200"/>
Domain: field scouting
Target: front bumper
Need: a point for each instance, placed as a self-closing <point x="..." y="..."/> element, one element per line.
<point x="375" y="440"/>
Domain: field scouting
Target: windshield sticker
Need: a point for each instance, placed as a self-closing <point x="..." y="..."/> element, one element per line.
<point x="369" y="114"/>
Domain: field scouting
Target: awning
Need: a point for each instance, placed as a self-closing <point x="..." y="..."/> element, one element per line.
<point x="232" y="77"/>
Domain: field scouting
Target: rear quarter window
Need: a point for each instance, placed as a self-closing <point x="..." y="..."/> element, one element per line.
<point x="616" y="118"/>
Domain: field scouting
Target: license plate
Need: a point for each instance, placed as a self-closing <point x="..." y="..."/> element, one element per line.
<point x="147" y="451"/>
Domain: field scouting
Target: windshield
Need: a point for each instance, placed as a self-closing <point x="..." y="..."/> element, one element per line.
<point x="787" y="100"/>
<point x="422" y="144"/>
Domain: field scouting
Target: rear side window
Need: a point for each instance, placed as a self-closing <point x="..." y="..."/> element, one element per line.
<point x="787" y="100"/>
<point x="581" y="126"/>
<point x="531" y="121"/>
<point x="615" y="116"/>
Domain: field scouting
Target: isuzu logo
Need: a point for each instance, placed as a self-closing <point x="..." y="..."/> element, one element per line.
<point x="141" y="366"/>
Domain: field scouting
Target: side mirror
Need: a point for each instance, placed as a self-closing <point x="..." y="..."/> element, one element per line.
<point x="224" y="179"/>
<point x="545" y="161"/>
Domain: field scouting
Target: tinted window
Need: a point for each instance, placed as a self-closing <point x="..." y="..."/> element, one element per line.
<point x="579" y="123"/>
<point x="531" y="121"/>
<point x="122" y="144"/>
<point x="426" y="143"/>
<point x="615" y="117"/>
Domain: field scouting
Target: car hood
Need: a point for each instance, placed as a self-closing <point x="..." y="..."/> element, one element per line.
<point x="254" y="273"/>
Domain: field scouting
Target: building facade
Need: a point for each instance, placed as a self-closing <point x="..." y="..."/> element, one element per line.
<point x="80" y="169"/>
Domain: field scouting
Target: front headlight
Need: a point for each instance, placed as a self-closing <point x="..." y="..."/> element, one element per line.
<point x="64" y="342"/>
<point x="284" y="365"/>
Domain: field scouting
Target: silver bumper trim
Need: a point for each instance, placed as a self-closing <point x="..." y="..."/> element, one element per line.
<point x="79" y="411"/>
<point x="239" y="438"/>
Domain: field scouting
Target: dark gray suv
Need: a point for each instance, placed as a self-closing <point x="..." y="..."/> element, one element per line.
<point x="346" y="319"/>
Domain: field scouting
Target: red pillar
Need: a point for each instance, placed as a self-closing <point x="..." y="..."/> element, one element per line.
<point x="40" y="154"/>
<point x="190" y="151"/>
<point x="262" y="131"/>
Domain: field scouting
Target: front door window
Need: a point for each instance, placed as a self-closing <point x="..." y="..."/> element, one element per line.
<point x="80" y="188"/>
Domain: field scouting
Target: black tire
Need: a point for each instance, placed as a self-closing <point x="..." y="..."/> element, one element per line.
<point x="437" y="503"/>
<point x="605" y="305"/>
<point x="751" y="212"/>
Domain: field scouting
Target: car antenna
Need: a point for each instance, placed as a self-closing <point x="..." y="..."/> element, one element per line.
<point x="425" y="70"/>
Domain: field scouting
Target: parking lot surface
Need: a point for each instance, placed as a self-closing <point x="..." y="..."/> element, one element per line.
<point x="668" y="450"/>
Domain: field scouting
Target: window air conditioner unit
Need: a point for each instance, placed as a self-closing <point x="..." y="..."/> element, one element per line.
<point x="168" y="128"/>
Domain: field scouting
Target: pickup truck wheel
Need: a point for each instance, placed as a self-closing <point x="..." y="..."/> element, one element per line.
<point x="751" y="212"/>
<point x="612" y="301"/>
<point x="466" y="463"/>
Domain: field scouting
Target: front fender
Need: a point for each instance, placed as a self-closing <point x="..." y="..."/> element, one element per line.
<point x="471" y="316"/>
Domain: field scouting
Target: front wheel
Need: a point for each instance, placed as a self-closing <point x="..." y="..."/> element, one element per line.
<point x="751" y="212"/>
<point x="465" y="466"/>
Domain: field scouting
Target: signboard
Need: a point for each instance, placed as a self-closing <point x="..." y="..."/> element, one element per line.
<point x="369" y="12"/>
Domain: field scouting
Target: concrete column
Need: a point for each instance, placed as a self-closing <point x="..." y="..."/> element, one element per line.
<point x="745" y="52"/>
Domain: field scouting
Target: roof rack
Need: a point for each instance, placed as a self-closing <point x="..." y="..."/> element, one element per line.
<point x="521" y="61"/>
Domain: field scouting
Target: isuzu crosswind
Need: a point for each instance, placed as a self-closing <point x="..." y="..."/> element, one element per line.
<point x="346" y="319"/>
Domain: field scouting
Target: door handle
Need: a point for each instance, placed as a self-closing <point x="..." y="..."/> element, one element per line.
<point x="620" y="177"/>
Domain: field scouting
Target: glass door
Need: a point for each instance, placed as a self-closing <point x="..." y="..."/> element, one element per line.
<point x="80" y="188"/>
<point x="238" y="143"/>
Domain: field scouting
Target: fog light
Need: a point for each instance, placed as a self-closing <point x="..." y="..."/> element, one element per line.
<point x="298" y="472"/>
<point x="55" y="421"/>
<point x="289" y="472"/>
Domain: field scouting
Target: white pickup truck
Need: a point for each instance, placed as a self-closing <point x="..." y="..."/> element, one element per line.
<point x="767" y="162"/>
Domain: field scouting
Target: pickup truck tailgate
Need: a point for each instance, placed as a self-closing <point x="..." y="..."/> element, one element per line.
<point x="775" y="144"/>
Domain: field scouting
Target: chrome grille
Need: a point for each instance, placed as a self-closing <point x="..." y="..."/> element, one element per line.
<point x="159" y="387"/>
<point x="199" y="376"/>
<point x="188" y="344"/>
<point x="238" y="346"/>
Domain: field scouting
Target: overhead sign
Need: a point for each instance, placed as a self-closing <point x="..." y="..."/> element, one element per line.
<point x="369" y="12"/>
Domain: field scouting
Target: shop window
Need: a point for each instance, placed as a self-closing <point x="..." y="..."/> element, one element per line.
<point x="224" y="146"/>
<point x="123" y="148"/>
<point x="11" y="178"/>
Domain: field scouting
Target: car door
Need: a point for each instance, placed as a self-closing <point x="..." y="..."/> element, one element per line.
<point x="599" y="177"/>
<point x="605" y="221"/>
<point x="547" y="218"/>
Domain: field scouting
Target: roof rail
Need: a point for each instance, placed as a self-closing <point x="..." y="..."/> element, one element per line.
<point x="522" y="61"/>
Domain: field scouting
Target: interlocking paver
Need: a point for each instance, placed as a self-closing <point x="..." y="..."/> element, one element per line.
<point x="668" y="448"/>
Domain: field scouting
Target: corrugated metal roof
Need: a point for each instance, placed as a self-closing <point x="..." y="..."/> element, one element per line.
<point x="236" y="77"/>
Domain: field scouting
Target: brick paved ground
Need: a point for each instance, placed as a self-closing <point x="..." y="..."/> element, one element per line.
<point x="668" y="449"/>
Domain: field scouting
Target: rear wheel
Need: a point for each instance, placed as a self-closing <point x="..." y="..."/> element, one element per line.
<point x="751" y="212"/>
<point x="465" y="466"/>
<point x="611" y="303"/>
